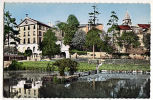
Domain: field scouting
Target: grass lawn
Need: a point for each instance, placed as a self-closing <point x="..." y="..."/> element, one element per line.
<point x="83" y="66"/>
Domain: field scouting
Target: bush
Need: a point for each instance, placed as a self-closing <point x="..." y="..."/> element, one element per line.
<point x="15" y="65"/>
<point x="66" y="63"/>
<point x="78" y="52"/>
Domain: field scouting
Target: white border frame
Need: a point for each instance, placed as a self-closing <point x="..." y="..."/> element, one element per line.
<point x="67" y="1"/>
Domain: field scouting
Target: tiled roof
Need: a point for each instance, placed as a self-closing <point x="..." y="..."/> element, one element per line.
<point x="144" y="26"/>
<point x="124" y="27"/>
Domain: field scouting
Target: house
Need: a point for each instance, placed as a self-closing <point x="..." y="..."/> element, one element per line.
<point x="31" y="33"/>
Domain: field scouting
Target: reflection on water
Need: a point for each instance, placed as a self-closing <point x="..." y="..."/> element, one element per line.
<point x="104" y="85"/>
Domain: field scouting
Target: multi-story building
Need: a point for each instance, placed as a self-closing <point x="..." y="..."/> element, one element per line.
<point x="31" y="34"/>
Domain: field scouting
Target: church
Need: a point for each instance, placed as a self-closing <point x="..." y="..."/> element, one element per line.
<point x="140" y="30"/>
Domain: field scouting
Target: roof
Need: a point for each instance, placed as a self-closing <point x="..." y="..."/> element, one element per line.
<point x="127" y="16"/>
<point x="27" y="18"/>
<point x="40" y="22"/>
<point x="144" y="26"/>
<point x="124" y="27"/>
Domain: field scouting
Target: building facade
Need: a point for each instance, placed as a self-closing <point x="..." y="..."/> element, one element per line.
<point x="31" y="34"/>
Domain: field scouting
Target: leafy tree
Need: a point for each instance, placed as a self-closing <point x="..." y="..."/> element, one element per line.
<point x="146" y="41"/>
<point x="66" y="63"/>
<point x="113" y="24"/>
<point x="9" y="28"/>
<point x="93" y="39"/>
<point x="73" y="22"/>
<point x="79" y="40"/>
<point x="69" y="28"/>
<point x="48" y="46"/>
<point x="128" y="39"/>
<point x="105" y="45"/>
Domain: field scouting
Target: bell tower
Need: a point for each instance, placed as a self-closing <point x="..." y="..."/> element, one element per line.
<point x="127" y="19"/>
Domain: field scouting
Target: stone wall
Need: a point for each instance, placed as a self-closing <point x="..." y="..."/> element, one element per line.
<point x="126" y="61"/>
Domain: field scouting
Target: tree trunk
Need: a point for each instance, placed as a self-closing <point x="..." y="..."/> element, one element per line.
<point x="93" y="51"/>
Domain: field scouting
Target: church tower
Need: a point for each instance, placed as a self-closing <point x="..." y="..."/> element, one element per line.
<point x="127" y="19"/>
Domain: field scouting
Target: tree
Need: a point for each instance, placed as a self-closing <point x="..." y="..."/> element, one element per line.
<point x="113" y="23"/>
<point x="79" y="40"/>
<point x="70" y="29"/>
<point x="66" y="63"/>
<point x="105" y="45"/>
<point x="93" y="39"/>
<point x="73" y="22"/>
<point x="48" y="46"/>
<point x="128" y="39"/>
<point x="10" y="29"/>
<point x="93" y="16"/>
<point x="146" y="41"/>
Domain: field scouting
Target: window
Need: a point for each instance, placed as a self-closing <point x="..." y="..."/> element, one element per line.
<point x="28" y="27"/>
<point x="24" y="34"/>
<point x="33" y="49"/>
<point x="24" y="41"/>
<point x="40" y="33"/>
<point x="28" y="33"/>
<point x="28" y="40"/>
<point x="39" y="39"/>
<point x="24" y="28"/>
<point x="24" y="91"/>
<point x="34" y="33"/>
<point x="34" y="40"/>
<point x="34" y="27"/>
<point x="34" y="92"/>
<point x="40" y="27"/>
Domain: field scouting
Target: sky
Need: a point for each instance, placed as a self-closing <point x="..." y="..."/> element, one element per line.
<point x="52" y="12"/>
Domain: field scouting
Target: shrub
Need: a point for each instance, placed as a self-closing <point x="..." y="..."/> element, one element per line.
<point x="66" y="63"/>
<point x="15" y="65"/>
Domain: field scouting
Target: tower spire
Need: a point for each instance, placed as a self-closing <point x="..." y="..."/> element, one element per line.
<point x="127" y="19"/>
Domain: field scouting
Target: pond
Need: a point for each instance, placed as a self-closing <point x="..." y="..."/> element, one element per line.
<point x="27" y="84"/>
